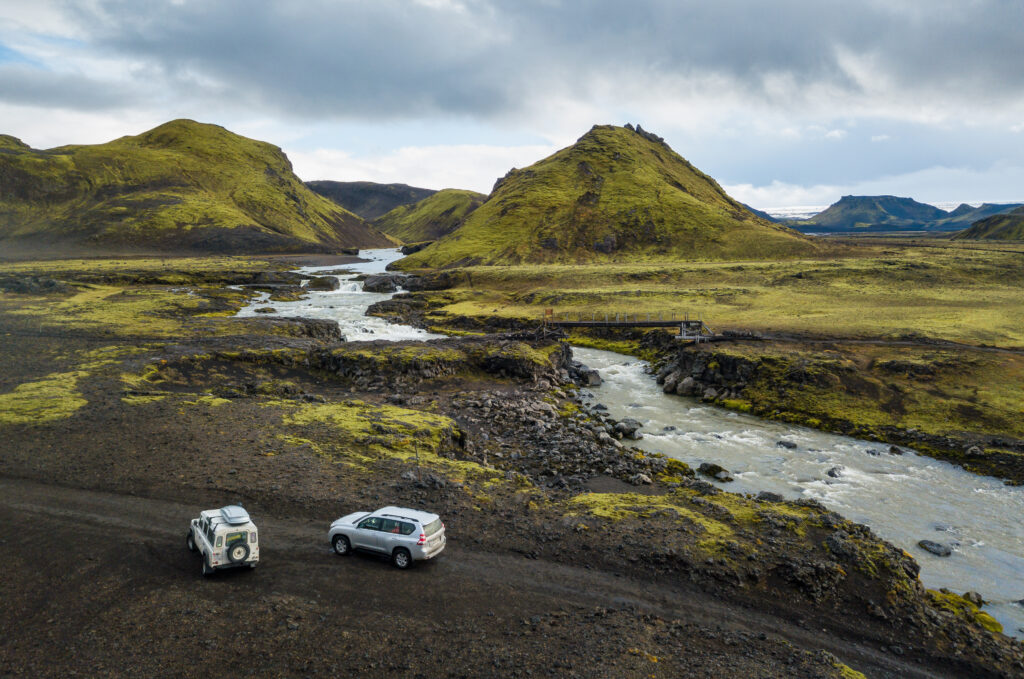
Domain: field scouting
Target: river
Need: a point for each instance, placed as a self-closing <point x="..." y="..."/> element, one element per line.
<point x="903" y="498"/>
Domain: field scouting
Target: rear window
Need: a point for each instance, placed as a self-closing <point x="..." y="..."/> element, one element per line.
<point x="240" y="536"/>
<point x="432" y="527"/>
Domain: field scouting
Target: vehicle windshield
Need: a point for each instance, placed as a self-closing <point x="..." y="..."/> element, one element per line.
<point x="432" y="527"/>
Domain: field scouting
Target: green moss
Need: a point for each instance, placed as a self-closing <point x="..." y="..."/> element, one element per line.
<point x="954" y="603"/>
<point x="846" y="673"/>
<point x="54" y="397"/>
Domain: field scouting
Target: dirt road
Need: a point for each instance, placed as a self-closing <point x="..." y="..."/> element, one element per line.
<point x="101" y="584"/>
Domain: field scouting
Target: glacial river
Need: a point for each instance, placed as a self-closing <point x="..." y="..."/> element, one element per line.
<point x="904" y="498"/>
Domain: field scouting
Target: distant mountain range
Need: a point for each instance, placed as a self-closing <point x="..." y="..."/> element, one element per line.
<point x="617" y="194"/>
<point x="369" y="200"/>
<point x="183" y="186"/>
<point x="433" y="217"/>
<point x="874" y="214"/>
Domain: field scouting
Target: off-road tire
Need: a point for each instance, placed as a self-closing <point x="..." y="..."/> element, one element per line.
<point x="401" y="558"/>
<point x="190" y="542"/>
<point x="238" y="552"/>
<point x="207" y="568"/>
<point x="341" y="545"/>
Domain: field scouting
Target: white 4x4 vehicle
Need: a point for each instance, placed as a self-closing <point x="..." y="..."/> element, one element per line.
<point x="225" y="538"/>
<point x="404" y="535"/>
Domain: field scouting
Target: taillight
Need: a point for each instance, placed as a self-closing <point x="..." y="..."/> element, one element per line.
<point x="422" y="540"/>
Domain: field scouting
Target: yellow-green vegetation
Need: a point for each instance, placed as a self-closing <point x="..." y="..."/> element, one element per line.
<point x="54" y="397"/>
<point x="845" y="672"/>
<point x="134" y="311"/>
<point x="716" y="521"/>
<point x="944" y="600"/>
<point x="356" y="433"/>
<point x="954" y="293"/>
<point x="181" y="184"/>
<point x="998" y="227"/>
<point x="432" y="217"/>
<point x="179" y="270"/>
<point x="935" y="390"/>
<point x="615" y="195"/>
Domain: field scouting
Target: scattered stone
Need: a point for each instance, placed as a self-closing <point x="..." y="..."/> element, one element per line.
<point x="836" y="472"/>
<point x="628" y="428"/>
<point x="265" y="310"/>
<point x="935" y="548"/>
<point x="670" y="427"/>
<point x="975" y="451"/>
<point x="783" y="443"/>
<point x="766" y="496"/>
<point x="894" y="450"/>
<point x="640" y="479"/>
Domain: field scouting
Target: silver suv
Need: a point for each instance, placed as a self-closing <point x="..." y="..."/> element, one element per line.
<point x="404" y="535"/>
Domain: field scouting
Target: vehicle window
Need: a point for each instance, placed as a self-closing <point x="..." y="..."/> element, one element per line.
<point x="406" y="528"/>
<point x="372" y="523"/>
<point x="432" y="527"/>
<point x="239" y="536"/>
<point x="252" y="537"/>
<point x="389" y="526"/>
<point x="220" y="540"/>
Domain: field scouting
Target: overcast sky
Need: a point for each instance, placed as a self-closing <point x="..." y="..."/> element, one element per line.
<point x="787" y="102"/>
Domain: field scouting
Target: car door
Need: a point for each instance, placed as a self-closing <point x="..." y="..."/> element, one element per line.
<point x="390" y="535"/>
<point x="367" y="534"/>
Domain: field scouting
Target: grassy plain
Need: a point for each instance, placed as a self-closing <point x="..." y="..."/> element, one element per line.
<point x="956" y="294"/>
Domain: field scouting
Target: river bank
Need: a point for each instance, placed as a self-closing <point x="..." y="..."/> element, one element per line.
<point x="157" y="391"/>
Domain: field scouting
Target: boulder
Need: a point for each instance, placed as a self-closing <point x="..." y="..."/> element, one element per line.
<point x="835" y="472"/>
<point x="323" y="283"/>
<point x="974" y="598"/>
<point x="894" y="450"/>
<point x="628" y="428"/>
<point x="766" y="496"/>
<point x="785" y="444"/>
<point x="388" y="282"/>
<point x="687" y="386"/>
<point x="671" y="380"/>
<point x="714" y="471"/>
<point x="935" y="548"/>
<point x="265" y="310"/>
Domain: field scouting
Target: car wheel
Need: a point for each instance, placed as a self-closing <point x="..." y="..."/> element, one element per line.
<point x="207" y="568"/>
<point x="401" y="558"/>
<point x="342" y="547"/>
<point x="190" y="542"/>
<point x="238" y="552"/>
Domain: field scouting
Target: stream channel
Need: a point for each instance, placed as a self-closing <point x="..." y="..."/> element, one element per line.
<point x="903" y="498"/>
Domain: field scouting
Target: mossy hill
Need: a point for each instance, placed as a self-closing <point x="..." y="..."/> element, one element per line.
<point x="369" y="200"/>
<point x="431" y="218"/>
<point x="181" y="186"/>
<point x="617" y="194"/>
<point x="893" y="213"/>
<point x="1009" y="226"/>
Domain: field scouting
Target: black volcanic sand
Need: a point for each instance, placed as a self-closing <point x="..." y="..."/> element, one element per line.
<point x="97" y="580"/>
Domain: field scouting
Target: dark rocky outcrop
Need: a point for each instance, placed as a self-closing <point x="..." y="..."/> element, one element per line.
<point x="323" y="283"/>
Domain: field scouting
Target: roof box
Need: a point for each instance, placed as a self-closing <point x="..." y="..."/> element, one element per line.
<point x="234" y="515"/>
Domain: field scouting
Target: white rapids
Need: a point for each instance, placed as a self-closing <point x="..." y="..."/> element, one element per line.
<point x="904" y="498"/>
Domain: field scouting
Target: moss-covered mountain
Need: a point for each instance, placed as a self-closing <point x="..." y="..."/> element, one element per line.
<point x="618" y="194"/>
<point x="369" y="200"/>
<point x="1009" y="226"/>
<point x="431" y="218"/>
<point x="181" y="186"/>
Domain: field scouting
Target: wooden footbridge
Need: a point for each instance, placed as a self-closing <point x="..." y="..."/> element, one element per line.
<point x="693" y="329"/>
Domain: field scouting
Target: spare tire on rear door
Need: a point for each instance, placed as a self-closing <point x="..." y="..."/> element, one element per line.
<point x="238" y="552"/>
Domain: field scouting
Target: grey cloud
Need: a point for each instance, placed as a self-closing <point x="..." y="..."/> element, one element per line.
<point x="391" y="58"/>
<point x="29" y="85"/>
